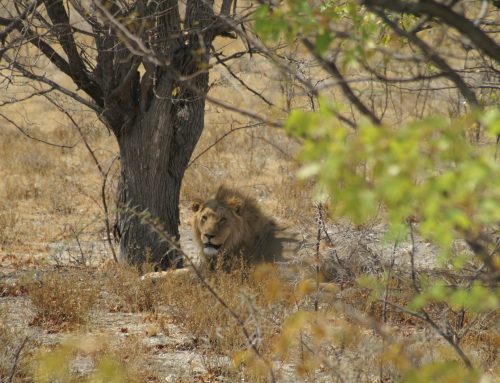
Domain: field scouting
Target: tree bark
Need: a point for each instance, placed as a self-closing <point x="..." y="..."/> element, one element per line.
<point x="154" y="153"/>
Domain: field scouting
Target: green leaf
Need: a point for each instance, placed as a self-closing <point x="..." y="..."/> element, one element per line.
<point x="323" y="41"/>
<point x="298" y="122"/>
<point x="438" y="372"/>
<point x="418" y="302"/>
<point x="491" y="118"/>
<point x="309" y="171"/>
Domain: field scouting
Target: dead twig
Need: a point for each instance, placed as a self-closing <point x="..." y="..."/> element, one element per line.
<point x="245" y="85"/>
<point x="319" y="218"/>
<point x="384" y="306"/>
<point x="226" y="134"/>
<point x="25" y="133"/>
<point x="106" y="210"/>
<point x="16" y="359"/>
<point x="412" y="258"/>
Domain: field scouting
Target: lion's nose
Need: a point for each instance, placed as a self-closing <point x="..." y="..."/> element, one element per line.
<point x="209" y="237"/>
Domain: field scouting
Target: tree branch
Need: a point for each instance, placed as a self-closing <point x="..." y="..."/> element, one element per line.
<point x="331" y="68"/>
<point x="16" y="359"/>
<point x="444" y="13"/>
<point x="232" y="130"/>
<point x="237" y="78"/>
<point x="15" y="23"/>
<point x="225" y="8"/>
<point x="52" y="84"/>
<point x="62" y="28"/>
<point x="451" y="74"/>
<point x="25" y="133"/>
<point x="48" y="51"/>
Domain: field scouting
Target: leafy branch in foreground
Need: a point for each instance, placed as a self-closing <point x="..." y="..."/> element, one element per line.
<point x="425" y="171"/>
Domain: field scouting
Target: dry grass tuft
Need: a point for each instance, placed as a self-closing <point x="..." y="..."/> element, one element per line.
<point x="200" y="313"/>
<point x="62" y="297"/>
<point x="254" y="298"/>
<point x="13" y="346"/>
<point x="9" y="220"/>
<point x="126" y="292"/>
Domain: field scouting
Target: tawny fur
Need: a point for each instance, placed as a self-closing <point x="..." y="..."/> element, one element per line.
<point x="236" y="226"/>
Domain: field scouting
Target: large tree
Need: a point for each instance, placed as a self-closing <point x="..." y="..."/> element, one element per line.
<point x="142" y="66"/>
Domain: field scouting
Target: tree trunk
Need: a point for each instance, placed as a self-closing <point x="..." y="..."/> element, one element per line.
<point x="154" y="153"/>
<point x="160" y="120"/>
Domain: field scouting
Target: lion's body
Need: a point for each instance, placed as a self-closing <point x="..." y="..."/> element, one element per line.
<point x="229" y="226"/>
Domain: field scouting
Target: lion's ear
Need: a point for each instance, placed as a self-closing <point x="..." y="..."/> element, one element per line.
<point x="235" y="204"/>
<point x="196" y="205"/>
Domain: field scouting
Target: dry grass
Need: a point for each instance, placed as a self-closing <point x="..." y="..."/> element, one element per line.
<point x="196" y="308"/>
<point x="45" y="189"/>
<point x="258" y="298"/>
<point x="125" y="292"/>
<point x="9" y="221"/>
<point x="62" y="297"/>
<point x="12" y="351"/>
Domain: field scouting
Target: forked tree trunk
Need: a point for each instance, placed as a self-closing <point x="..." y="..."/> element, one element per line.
<point x="155" y="151"/>
<point x="160" y="119"/>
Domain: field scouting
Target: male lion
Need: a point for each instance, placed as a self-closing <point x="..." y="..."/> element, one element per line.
<point x="229" y="226"/>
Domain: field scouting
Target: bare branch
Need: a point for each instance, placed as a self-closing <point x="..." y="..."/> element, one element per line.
<point x="451" y="74"/>
<point x="225" y="8"/>
<point x="18" y="100"/>
<point x="319" y="222"/>
<point x="52" y="84"/>
<point x="424" y="317"/>
<point x="331" y="67"/>
<point x="237" y="78"/>
<point x="412" y="257"/>
<point x="13" y="123"/>
<point x="247" y="113"/>
<point x="62" y="29"/>
<point x="13" y="24"/>
<point x="226" y="134"/>
<point x="446" y="14"/>
<point x="16" y="359"/>
<point x="48" y="51"/>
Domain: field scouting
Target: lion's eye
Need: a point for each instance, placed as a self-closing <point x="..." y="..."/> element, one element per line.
<point x="203" y="218"/>
<point x="222" y="220"/>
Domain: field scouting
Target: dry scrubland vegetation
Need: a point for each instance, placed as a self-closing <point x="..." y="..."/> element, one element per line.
<point x="69" y="313"/>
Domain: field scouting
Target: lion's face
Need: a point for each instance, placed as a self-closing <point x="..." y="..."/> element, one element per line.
<point x="214" y="225"/>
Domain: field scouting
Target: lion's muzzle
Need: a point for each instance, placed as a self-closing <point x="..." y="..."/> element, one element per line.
<point x="210" y="249"/>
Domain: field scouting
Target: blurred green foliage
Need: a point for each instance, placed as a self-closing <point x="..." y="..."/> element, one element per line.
<point x="58" y="364"/>
<point x="426" y="170"/>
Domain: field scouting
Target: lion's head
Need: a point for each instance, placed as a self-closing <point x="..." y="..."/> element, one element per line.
<point x="228" y="222"/>
<point x="217" y="222"/>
